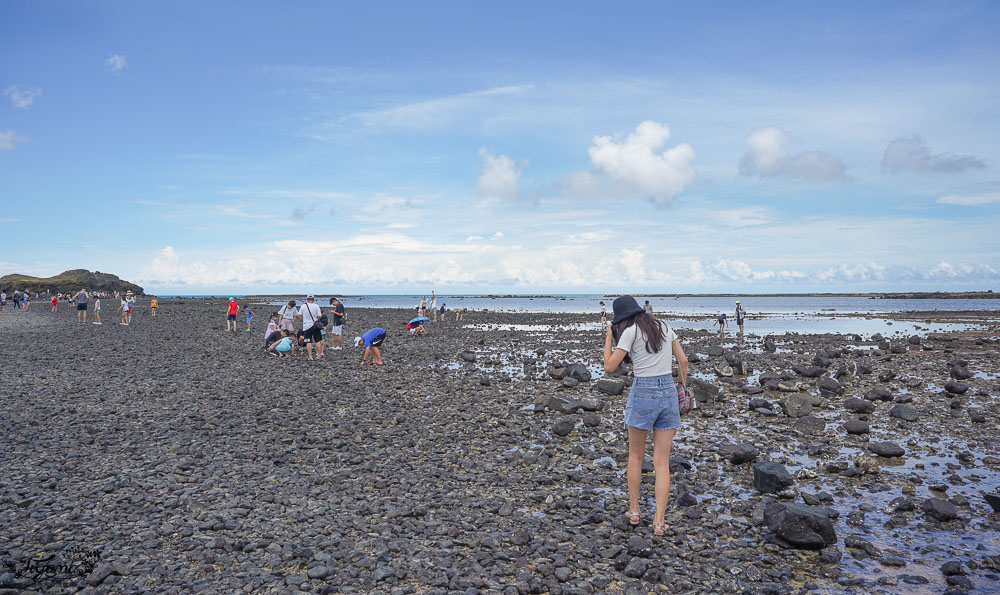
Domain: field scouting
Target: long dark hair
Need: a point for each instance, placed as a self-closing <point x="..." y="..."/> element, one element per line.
<point x="651" y="329"/>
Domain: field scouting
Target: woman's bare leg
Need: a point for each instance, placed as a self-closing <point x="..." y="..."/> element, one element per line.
<point x="636" y="452"/>
<point x="662" y="441"/>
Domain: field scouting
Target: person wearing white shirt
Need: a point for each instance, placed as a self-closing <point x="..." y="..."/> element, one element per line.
<point x="312" y="329"/>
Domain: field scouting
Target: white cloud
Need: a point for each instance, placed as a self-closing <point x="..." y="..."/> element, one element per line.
<point x="22" y="97"/>
<point x="434" y="112"/>
<point x="498" y="236"/>
<point x="10" y="139"/>
<point x="970" y="200"/>
<point x="956" y="271"/>
<point x="847" y="273"/>
<point x="635" y="166"/>
<point x="911" y="153"/>
<point x="116" y="63"/>
<point x="737" y="270"/>
<point x="499" y="178"/>
<point x="768" y="156"/>
<point x="9" y="220"/>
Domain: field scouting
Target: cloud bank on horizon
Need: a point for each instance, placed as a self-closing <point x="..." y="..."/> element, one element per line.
<point x="798" y="150"/>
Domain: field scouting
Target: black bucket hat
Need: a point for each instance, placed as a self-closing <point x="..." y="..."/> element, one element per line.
<point x="625" y="307"/>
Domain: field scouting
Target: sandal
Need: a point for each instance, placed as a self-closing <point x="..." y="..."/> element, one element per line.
<point x="659" y="529"/>
<point x="633" y="518"/>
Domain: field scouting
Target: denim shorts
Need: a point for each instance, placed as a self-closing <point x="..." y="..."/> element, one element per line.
<point x="652" y="404"/>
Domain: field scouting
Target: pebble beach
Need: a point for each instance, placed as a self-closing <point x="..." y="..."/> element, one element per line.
<point x="489" y="456"/>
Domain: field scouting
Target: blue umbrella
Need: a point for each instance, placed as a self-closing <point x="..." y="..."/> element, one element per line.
<point x="419" y="319"/>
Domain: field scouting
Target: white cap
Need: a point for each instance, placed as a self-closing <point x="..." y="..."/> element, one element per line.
<point x="357" y="341"/>
<point x="232" y="299"/>
<point x="310" y="297"/>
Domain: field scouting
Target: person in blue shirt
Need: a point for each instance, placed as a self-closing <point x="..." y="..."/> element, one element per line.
<point x="372" y="341"/>
<point x="284" y="346"/>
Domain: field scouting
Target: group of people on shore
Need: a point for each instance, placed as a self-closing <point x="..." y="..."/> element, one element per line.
<point x="82" y="300"/>
<point x="281" y="337"/>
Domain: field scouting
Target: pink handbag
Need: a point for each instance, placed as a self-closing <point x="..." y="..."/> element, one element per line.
<point x="685" y="400"/>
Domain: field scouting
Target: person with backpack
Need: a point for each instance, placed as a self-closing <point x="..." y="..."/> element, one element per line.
<point x="312" y="326"/>
<point x="650" y="345"/>
<point x="740" y="315"/>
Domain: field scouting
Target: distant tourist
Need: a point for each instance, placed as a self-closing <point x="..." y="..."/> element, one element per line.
<point x="312" y="328"/>
<point x="372" y="342"/>
<point x="721" y="321"/>
<point x="433" y="306"/>
<point x="17" y="300"/>
<point x="284" y="346"/>
<point x="55" y="304"/>
<point x="648" y="308"/>
<point x="130" y="302"/>
<point x="288" y="313"/>
<point x="636" y="337"/>
<point x="460" y="314"/>
<point x="97" y="310"/>
<point x="423" y="306"/>
<point x="337" y="328"/>
<point x="232" y="309"/>
<point x="124" y="310"/>
<point x="442" y="311"/>
<point x="740" y="314"/>
<point x="153" y="303"/>
<point x="26" y="299"/>
<point x="3" y="302"/>
<point x="249" y="315"/>
<point x="82" y="300"/>
<point x="604" y="316"/>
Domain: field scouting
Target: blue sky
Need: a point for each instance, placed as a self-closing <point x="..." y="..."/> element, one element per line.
<point x="532" y="147"/>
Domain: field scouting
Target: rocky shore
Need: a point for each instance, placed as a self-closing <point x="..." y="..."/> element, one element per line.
<point x="488" y="456"/>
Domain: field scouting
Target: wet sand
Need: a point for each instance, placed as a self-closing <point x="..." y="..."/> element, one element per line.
<point x="172" y="456"/>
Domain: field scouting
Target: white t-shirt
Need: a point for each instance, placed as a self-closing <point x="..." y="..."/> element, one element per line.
<point x="644" y="363"/>
<point x="287" y="313"/>
<point x="310" y="313"/>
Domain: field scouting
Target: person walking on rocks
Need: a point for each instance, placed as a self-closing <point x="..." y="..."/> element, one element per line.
<point x="433" y="307"/>
<point x="153" y="303"/>
<point x="650" y="345"/>
<point x="312" y="329"/>
<point x="604" y="317"/>
<point x="287" y="314"/>
<point x="740" y="315"/>
<point x="337" y="329"/>
<point x="97" y="310"/>
<point x="232" y="310"/>
<point x="249" y="314"/>
<point x="721" y="321"/>
<point x="124" y="310"/>
<point x="648" y="308"/>
<point x="372" y="342"/>
<point x="55" y="304"/>
<point x="82" y="298"/>
<point x="423" y="306"/>
<point x="3" y="302"/>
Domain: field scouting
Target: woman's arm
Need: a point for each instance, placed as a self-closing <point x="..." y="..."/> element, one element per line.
<point x="612" y="357"/>
<point x="682" y="362"/>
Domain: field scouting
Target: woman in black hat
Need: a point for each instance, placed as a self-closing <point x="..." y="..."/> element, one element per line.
<point x="635" y="337"/>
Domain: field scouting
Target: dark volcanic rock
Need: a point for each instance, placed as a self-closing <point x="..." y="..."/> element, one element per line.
<point x="796" y="406"/>
<point x="993" y="500"/>
<point x="960" y="372"/>
<point x="563" y="426"/>
<point x="939" y="509"/>
<point x="878" y="394"/>
<point x="770" y="477"/>
<point x="743" y="453"/>
<point x="829" y="387"/>
<point x="857" y="405"/>
<point x="809" y="371"/>
<point x="958" y="388"/>
<point x="564" y="404"/>
<point x="856" y="426"/>
<point x="579" y="371"/>
<point x="611" y="386"/>
<point x="800" y="526"/>
<point x="904" y="412"/>
<point x="886" y="449"/>
<point x="592" y="403"/>
<point x="704" y="392"/>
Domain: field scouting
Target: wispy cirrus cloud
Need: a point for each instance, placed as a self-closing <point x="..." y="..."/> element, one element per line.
<point x="434" y="112"/>
<point x="22" y="97"/>
<point x="911" y="153"/>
